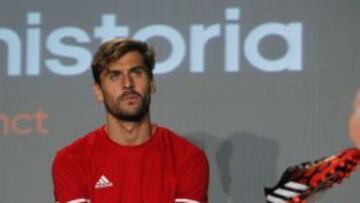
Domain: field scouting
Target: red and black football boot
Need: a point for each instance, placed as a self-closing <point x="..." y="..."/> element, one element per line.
<point x="301" y="182"/>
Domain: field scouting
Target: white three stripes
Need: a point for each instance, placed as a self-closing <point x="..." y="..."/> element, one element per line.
<point x="286" y="192"/>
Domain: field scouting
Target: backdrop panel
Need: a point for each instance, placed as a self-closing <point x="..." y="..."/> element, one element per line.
<point x="260" y="85"/>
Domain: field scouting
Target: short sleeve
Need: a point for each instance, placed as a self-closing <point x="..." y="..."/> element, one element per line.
<point x="194" y="180"/>
<point x="67" y="180"/>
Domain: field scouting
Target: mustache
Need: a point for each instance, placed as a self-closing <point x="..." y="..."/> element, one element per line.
<point x="129" y="93"/>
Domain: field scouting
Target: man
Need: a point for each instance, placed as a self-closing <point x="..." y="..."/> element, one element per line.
<point x="129" y="159"/>
<point x="354" y="121"/>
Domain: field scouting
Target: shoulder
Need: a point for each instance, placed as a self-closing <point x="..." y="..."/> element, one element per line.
<point x="78" y="149"/>
<point x="179" y="144"/>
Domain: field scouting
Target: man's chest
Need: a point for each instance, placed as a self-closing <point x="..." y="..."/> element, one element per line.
<point x="142" y="178"/>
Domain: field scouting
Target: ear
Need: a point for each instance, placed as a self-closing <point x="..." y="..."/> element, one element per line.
<point x="98" y="92"/>
<point x="153" y="86"/>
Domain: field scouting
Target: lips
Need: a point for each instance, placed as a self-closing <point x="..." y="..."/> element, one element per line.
<point x="130" y="96"/>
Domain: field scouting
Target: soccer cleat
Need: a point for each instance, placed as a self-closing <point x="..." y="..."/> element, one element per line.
<point x="301" y="182"/>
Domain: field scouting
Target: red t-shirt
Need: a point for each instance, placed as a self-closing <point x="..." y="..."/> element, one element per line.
<point x="165" y="169"/>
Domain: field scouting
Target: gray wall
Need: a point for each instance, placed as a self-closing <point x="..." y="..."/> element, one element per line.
<point x="274" y="88"/>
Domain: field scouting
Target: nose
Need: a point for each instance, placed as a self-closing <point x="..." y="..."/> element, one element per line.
<point x="128" y="81"/>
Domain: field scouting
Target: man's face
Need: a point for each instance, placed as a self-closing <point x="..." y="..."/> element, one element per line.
<point x="126" y="88"/>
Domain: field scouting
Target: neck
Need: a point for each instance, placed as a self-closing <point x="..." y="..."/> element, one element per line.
<point x="129" y="133"/>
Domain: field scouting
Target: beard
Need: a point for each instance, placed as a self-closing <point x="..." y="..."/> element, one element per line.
<point x="123" y="114"/>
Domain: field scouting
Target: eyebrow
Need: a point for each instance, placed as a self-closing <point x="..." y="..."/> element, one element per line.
<point x="110" y="70"/>
<point x="137" y="67"/>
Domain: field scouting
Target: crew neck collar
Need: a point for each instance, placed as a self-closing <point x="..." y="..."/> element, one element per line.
<point x="110" y="143"/>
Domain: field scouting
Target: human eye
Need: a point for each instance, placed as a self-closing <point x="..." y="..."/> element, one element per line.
<point x="138" y="71"/>
<point x="114" y="75"/>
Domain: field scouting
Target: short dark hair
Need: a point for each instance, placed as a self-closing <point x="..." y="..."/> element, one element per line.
<point x="114" y="49"/>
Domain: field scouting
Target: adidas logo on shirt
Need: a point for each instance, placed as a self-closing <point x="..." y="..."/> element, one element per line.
<point x="103" y="182"/>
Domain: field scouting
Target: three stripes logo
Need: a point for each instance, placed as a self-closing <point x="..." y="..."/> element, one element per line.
<point x="290" y="190"/>
<point x="103" y="182"/>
